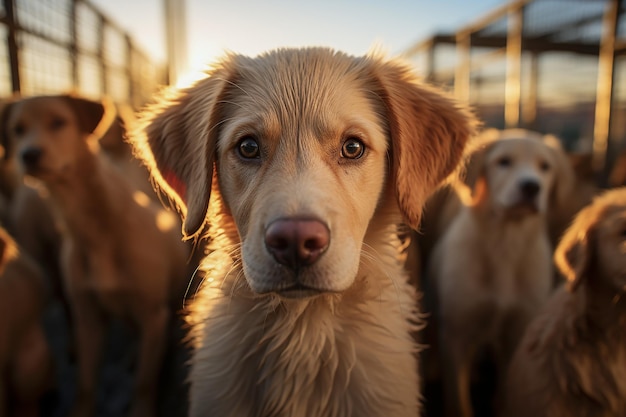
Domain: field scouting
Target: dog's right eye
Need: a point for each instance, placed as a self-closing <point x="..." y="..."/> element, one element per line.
<point x="57" y="123"/>
<point x="505" y="161"/>
<point x="352" y="148"/>
<point x="19" y="130"/>
<point x="249" y="148"/>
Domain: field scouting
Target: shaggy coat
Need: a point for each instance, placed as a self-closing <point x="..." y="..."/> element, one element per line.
<point x="572" y="359"/>
<point x="122" y="255"/>
<point x="351" y="146"/>
<point x="492" y="267"/>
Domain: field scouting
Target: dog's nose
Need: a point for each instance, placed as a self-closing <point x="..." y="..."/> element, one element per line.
<point x="529" y="188"/>
<point x="296" y="242"/>
<point x="31" y="156"/>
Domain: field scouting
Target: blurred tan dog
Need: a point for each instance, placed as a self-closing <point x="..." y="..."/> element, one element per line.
<point x="26" y="367"/>
<point x="304" y="162"/>
<point x="572" y="359"/>
<point x="122" y="254"/>
<point x="492" y="267"/>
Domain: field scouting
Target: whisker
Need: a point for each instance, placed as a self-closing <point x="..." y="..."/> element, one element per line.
<point x="374" y="261"/>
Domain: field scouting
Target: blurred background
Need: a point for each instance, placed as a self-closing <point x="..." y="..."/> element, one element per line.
<point x="557" y="66"/>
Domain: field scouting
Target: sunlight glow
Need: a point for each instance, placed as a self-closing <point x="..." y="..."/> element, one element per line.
<point x="141" y="198"/>
<point x="165" y="220"/>
<point x="189" y="78"/>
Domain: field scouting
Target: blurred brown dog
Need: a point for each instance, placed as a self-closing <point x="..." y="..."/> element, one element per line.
<point x="122" y="254"/>
<point x="26" y="364"/>
<point x="304" y="162"/>
<point x="572" y="359"/>
<point x="492" y="267"/>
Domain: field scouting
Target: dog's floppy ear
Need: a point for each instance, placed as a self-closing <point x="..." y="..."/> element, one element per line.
<point x="473" y="168"/>
<point x="573" y="254"/>
<point x="88" y="113"/>
<point x="565" y="177"/>
<point x="176" y="139"/>
<point x="428" y="134"/>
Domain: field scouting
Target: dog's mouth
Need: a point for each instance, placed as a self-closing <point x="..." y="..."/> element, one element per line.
<point x="298" y="291"/>
<point x="523" y="208"/>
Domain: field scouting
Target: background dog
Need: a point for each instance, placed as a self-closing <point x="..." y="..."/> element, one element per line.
<point x="26" y="365"/>
<point x="304" y="161"/>
<point x="122" y="254"/>
<point x="572" y="359"/>
<point x="492" y="269"/>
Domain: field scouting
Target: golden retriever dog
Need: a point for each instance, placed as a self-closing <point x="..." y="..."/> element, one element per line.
<point x="492" y="267"/>
<point x="26" y="365"/>
<point x="571" y="361"/>
<point x="122" y="255"/>
<point x="303" y="162"/>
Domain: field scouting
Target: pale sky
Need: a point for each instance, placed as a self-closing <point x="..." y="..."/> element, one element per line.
<point x="253" y="26"/>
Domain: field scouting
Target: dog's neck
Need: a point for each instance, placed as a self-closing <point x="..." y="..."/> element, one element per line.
<point x="604" y="304"/>
<point x="82" y="198"/>
<point x="508" y="226"/>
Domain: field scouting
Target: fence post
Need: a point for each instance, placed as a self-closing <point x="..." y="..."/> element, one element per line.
<point x="12" y="26"/>
<point x="529" y="108"/>
<point x="100" y="54"/>
<point x="73" y="46"/>
<point x="129" y="72"/>
<point x="604" y="91"/>
<point x="463" y="67"/>
<point x="513" y="67"/>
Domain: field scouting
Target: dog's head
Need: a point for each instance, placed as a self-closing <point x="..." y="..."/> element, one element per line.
<point x="518" y="172"/>
<point x="594" y="247"/>
<point x="42" y="132"/>
<point x="305" y="143"/>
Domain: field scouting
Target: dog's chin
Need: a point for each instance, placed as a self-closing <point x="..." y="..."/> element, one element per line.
<point x="270" y="278"/>
<point x="290" y="290"/>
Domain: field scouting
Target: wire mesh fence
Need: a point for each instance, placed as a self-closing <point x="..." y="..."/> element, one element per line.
<point x="557" y="66"/>
<point x="56" y="46"/>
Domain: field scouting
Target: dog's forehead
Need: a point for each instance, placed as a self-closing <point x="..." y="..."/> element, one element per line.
<point x="521" y="147"/>
<point x="39" y="108"/>
<point x="299" y="81"/>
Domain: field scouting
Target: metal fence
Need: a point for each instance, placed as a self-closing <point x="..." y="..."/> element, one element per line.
<point x="557" y="66"/>
<point x="56" y="46"/>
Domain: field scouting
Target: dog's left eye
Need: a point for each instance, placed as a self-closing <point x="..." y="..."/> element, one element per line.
<point x="352" y="148"/>
<point x="57" y="123"/>
<point x="19" y="130"/>
<point x="249" y="148"/>
<point x="544" y="166"/>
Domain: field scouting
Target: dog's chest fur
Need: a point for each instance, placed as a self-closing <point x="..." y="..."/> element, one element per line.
<point x="92" y="239"/>
<point x="335" y="355"/>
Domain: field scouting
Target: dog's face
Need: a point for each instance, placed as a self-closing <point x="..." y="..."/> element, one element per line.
<point x="519" y="173"/>
<point x="308" y="174"/>
<point x="594" y="247"/>
<point x="306" y="144"/>
<point x="45" y="133"/>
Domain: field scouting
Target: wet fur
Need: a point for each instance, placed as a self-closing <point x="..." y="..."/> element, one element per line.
<point x="345" y="352"/>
